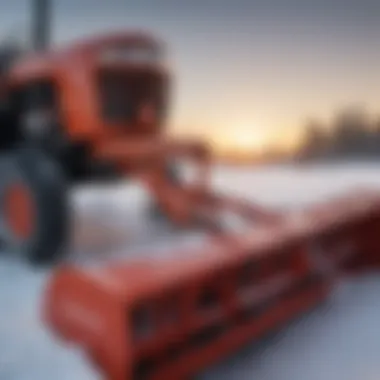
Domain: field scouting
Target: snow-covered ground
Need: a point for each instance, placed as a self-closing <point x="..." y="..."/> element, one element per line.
<point x="338" y="340"/>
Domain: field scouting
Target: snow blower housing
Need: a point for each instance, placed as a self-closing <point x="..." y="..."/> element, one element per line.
<point x="169" y="319"/>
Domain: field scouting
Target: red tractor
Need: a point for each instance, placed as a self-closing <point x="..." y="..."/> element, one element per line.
<point x="92" y="111"/>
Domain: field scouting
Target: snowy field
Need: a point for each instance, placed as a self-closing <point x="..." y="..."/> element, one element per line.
<point x="338" y="340"/>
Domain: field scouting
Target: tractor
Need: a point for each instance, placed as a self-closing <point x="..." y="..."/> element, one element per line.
<point x="93" y="111"/>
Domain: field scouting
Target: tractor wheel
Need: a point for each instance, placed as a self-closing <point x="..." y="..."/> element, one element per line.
<point x="33" y="207"/>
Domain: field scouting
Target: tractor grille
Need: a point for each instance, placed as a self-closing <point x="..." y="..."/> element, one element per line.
<point x="125" y="96"/>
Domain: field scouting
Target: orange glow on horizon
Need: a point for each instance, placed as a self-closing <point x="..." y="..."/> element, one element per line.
<point x="244" y="141"/>
<point x="255" y="142"/>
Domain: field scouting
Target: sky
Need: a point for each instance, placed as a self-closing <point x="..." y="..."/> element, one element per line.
<point x="247" y="73"/>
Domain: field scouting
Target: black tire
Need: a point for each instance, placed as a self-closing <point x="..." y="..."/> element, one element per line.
<point x="44" y="183"/>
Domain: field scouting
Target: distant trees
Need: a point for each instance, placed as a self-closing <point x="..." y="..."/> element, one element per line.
<point x="315" y="141"/>
<point x="351" y="134"/>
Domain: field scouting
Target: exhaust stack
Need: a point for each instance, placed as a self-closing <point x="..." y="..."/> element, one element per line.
<point x="41" y="17"/>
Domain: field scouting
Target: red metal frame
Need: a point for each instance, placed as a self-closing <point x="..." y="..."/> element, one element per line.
<point x="167" y="320"/>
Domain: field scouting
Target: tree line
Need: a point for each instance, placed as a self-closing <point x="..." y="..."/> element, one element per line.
<point x="352" y="134"/>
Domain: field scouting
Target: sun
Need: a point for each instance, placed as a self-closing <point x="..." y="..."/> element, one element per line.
<point x="242" y="140"/>
<point x="247" y="141"/>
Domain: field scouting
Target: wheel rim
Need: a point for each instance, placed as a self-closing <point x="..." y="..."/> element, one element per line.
<point x="19" y="211"/>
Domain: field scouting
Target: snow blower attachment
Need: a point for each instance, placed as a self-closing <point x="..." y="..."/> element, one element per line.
<point x="162" y="319"/>
<point x="152" y="318"/>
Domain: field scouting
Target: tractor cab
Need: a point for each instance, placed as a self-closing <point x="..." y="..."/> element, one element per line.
<point x="111" y="86"/>
<point x="98" y="91"/>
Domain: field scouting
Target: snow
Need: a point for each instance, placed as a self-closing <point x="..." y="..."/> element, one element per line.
<point x="338" y="340"/>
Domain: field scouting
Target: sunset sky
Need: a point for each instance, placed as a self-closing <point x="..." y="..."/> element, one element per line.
<point x="248" y="73"/>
